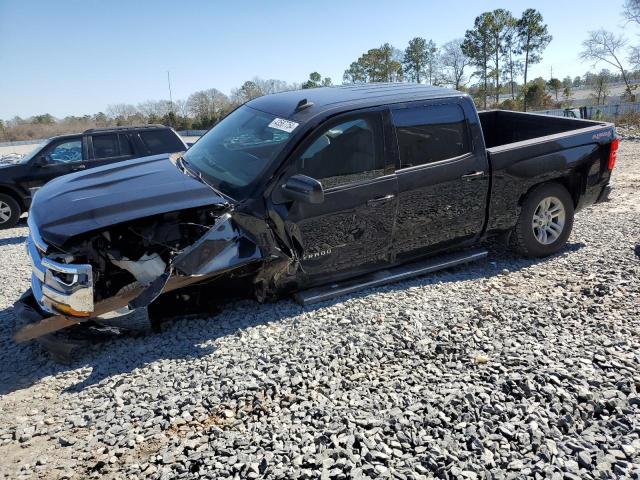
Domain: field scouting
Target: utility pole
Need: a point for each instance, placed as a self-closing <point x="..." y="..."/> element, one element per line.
<point x="170" y="97"/>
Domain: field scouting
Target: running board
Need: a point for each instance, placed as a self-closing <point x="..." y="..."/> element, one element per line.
<point x="390" y="275"/>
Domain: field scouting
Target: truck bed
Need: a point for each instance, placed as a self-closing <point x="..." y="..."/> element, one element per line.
<point x="502" y="128"/>
<point x="525" y="149"/>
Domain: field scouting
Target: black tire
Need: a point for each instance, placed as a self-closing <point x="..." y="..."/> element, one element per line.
<point x="7" y="202"/>
<point x="525" y="236"/>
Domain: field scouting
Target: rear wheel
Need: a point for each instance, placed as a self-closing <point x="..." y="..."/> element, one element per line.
<point x="545" y="221"/>
<point x="10" y="211"/>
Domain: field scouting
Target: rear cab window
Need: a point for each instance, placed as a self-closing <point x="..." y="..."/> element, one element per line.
<point x="430" y="133"/>
<point x="161" y="141"/>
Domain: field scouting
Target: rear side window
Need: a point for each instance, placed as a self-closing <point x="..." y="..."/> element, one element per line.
<point x="430" y="133"/>
<point x="105" y="146"/>
<point x="161" y="141"/>
<point x="125" y="145"/>
<point x="349" y="152"/>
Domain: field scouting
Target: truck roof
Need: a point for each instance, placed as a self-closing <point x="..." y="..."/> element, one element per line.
<point x="150" y="126"/>
<point x="301" y="105"/>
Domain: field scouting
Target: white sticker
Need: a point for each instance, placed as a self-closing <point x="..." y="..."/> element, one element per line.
<point x="284" y="125"/>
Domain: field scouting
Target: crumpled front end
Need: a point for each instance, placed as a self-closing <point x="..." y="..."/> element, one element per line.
<point x="115" y="271"/>
<point x="59" y="287"/>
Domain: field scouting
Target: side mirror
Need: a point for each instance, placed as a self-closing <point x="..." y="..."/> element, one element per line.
<point x="304" y="189"/>
<point x="42" y="160"/>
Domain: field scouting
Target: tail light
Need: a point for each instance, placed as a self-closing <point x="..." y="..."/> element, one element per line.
<point x="613" y="152"/>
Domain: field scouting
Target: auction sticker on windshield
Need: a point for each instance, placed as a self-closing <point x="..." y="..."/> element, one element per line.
<point x="284" y="125"/>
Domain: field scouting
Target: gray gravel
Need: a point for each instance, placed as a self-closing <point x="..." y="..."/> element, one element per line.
<point x="508" y="368"/>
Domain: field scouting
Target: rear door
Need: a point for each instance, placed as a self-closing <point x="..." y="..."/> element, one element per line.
<point x="109" y="148"/>
<point x="351" y="231"/>
<point x="443" y="179"/>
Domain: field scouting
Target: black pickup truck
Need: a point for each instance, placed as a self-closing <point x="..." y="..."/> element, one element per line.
<point x="316" y="193"/>
<point x="69" y="153"/>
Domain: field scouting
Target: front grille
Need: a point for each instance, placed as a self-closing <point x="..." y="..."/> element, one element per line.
<point x="58" y="285"/>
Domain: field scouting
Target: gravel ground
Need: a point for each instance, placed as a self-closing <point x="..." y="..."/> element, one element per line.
<point x="508" y="368"/>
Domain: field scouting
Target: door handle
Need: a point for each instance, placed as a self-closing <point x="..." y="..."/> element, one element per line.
<point x="473" y="176"/>
<point x="386" y="198"/>
<point x="82" y="166"/>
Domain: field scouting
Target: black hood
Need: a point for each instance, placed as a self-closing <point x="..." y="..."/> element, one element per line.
<point x="8" y="170"/>
<point x="85" y="201"/>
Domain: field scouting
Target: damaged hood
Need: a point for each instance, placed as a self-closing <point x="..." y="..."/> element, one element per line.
<point x="85" y="201"/>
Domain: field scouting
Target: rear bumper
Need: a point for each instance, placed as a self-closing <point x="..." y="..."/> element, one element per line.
<point x="595" y="194"/>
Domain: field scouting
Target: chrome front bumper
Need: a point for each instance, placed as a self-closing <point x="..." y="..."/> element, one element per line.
<point x="59" y="287"/>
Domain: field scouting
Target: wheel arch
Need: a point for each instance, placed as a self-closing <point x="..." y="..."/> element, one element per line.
<point x="573" y="182"/>
<point x="13" y="193"/>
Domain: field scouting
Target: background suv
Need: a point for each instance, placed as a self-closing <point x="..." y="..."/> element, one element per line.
<point x="68" y="153"/>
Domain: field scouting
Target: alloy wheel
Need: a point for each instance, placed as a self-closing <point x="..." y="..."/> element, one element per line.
<point x="548" y="220"/>
<point x="5" y="212"/>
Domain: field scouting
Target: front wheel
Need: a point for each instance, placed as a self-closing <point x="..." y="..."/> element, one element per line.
<point x="545" y="221"/>
<point x="9" y="211"/>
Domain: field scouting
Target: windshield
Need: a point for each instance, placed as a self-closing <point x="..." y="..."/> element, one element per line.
<point x="33" y="152"/>
<point x="233" y="154"/>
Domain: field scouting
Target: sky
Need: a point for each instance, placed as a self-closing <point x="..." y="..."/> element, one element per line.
<point x="75" y="57"/>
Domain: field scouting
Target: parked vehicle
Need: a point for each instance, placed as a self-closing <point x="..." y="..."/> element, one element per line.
<point x="318" y="193"/>
<point x="70" y="153"/>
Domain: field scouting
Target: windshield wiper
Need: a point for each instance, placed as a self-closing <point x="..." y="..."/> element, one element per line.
<point x="197" y="174"/>
<point x="183" y="165"/>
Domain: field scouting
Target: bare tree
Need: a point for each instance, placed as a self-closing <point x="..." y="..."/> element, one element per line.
<point x="604" y="46"/>
<point x="124" y="114"/>
<point x="181" y="108"/>
<point x="247" y="91"/>
<point x="631" y="11"/>
<point x="208" y="105"/>
<point x="272" y="85"/>
<point x="153" y="110"/>
<point x="454" y="63"/>
<point x="601" y="87"/>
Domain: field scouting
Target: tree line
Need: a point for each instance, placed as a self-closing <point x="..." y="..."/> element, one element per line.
<point x="497" y="50"/>
<point x="491" y="61"/>
<point x="200" y="111"/>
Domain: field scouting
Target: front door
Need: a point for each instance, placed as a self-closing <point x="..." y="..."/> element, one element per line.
<point x="60" y="158"/>
<point x="351" y="231"/>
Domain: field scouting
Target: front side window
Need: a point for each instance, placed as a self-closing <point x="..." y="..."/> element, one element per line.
<point x="349" y="152"/>
<point x="233" y="155"/>
<point x="429" y="134"/>
<point x="66" y="152"/>
<point x="105" y="146"/>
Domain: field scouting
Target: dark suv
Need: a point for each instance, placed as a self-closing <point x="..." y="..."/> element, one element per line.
<point x="69" y="153"/>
